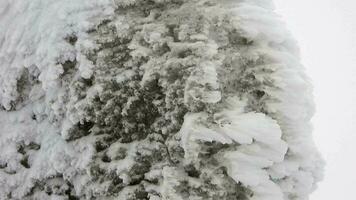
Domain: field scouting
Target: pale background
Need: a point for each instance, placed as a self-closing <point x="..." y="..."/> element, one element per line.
<point x="326" y="32"/>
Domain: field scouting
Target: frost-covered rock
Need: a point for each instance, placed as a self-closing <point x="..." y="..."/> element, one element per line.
<point x="159" y="99"/>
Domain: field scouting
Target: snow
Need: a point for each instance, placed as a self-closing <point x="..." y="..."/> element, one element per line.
<point x="260" y="146"/>
<point x="32" y="39"/>
<point x="226" y="73"/>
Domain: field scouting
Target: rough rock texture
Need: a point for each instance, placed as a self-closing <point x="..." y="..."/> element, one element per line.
<point x="152" y="99"/>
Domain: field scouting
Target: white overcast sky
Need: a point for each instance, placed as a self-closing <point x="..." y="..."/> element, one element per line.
<point x="326" y="32"/>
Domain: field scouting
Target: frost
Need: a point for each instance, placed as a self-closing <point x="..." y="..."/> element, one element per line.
<point x="161" y="99"/>
<point x="259" y="145"/>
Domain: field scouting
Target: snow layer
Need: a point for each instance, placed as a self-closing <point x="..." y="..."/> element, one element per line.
<point x="91" y="91"/>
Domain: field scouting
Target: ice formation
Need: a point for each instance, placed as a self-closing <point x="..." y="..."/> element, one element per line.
<point x="152" y="99"/>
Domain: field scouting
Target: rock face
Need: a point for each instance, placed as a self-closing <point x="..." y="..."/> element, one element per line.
<point x="152" y="99"/>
